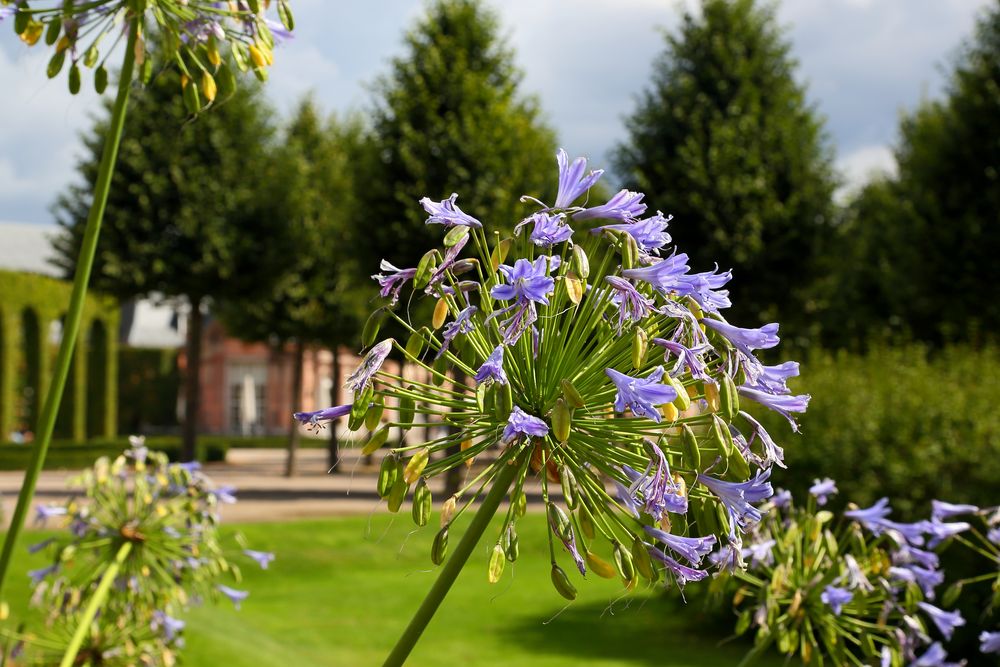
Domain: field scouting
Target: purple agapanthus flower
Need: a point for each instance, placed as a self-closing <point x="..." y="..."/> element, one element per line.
<point x="630" y="504"/>
<point x="907" y="554"/>
<point x="572" y="182"/>
<point x="993" y="535"/>
<point x="822" y="490"/>
<point x="939" y="531"/>
<point x="263" y="558"/>
<point x="880" y="510"/>
<point x="641" y="395"/>
<point x="989" y="642"/>
<point x="927" y="579"/>
<point x="760" y="553"/>
<point x="170" y="626"/>
<point x="235" y="596"/>
<point x="650" y="234"/>
<point x="569" y="543"/>
<point x="632" y="305"/>
<point x="448" y="262"/>
<point x="625" y="205"/>
<point x="774" y="379"/>
<point x="520" y="423"/>
<point x="45" y="512"/>
<point x="693" y="549"/>
<point x="462" y="324"/>
<point x="446" y="212"/>
<point x="935" y="656"/>
<point x="855" y="577"/>
<point x="370" y="365"/>
<point x="946" y="621"/>
<point x="527" y="281"/>
<point x="682" y="573"/>
<point x="326" y="414"/>
<point x="42" y="572"/>
<point x="772" y="453"/>
<point x="392" y="279"/>
<point x="663" y="275"/>
<point x="547" y="230"/>
<point x="739" y="497"/>
<point x="835" y="598"/>
<point x="941" y="510"/>
<point x="784" y="405"/>
<point x="782" y="498"/>
<point x="194" y="466"/>
<point x="7" y="11"/>
<point x="492" y="368"/>
<point x="705" y="288"/>
<point x="689" y="357"/>
<point x="659" y="490"/>
<point x="225" y="494"/>
<point x="745" y="340"/>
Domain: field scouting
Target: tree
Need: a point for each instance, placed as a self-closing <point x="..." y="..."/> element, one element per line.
<point x="449" y="117"/>
<point x="314" y="300"/>
<point x="186" y="216"/>
<point x="725" y="141"/>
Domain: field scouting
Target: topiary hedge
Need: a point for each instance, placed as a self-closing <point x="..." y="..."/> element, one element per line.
<point x="65" y="454"/>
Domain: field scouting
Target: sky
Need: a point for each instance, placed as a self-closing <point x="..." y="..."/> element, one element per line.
<point x="863" y="62"/>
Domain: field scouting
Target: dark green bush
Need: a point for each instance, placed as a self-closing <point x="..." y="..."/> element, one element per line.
<point x="911" y="422"/>
<point x="72" y="455"/>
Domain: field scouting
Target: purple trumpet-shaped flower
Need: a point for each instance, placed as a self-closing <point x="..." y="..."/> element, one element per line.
<point x="649" y="234"/>
<point x="772" y="452"/>
<point x="326" y="414"/>
<point x="45" y="512"/>
<point x="448" y="262"/>
<point x="7" y="11"/>
<point x="784" y="405"/>
<point x="989" y="642"/>
<point x="624" y="206"/>
<point x="693" y="549"/>
<point x="492" y="368"/>
<point x="194" y="466"/>
<point x="631" y="505"/>
<point x="935" y="656"/>
<point x="547" y="230"/>
<point x="171" y="627"/>
<point x="263" y="558"/>
<point x="946" y="621"/>
<point x="446" y="212"/>
<point x="774" y="379"/>
<point x="235" y="596"/>
<point x="632" y="305"/>
<point x="941" y="510"/>
<point x="527" y="281"/>
<point x="572" y="182"/>
<point x="38" y="546"/>
<point x="823" y="489"/>
<point x="855" y="577"/>
<point x="462" y="324"/>
<point x="835" y="598"/>
<point x="877" y="512"/>
<point x="927" y="579"/>
<point x="705" y="289"/>
<point x="392" y="279"/>
<point x="782" y="498"/>
<point x="641" y="395"/>
<point x="689" y="357"/>
<point x="39" y="574"/>
<point x="993" y="535"/>
<point x="569" y="543"/>
<point x="225" y="494"/>
<point x="370" y="365"/>
<point x="663" y="275"/>
<point x="760" y="553"/>
<point x="745" y="340"/>
<point x="739" y="497"/>
<point x="910" y="555"/>
<point x="939" y="531"/>
<point x="659" y="490"/>
<point x="682" y="573"/>
<point x="520" y="423"/>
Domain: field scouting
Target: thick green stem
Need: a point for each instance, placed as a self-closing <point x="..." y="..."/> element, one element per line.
<point x="47" y="420"/>
<point x="95" y="604"/>
<point x="451" y="569"/>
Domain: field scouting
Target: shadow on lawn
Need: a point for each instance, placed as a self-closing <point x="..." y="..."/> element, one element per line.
<point x="654" y="630"/>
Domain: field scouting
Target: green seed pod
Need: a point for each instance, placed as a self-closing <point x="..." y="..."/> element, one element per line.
<point x="951" y="594"/>
<point x="146" y="72"/>
<point x="439" y="548"/>
<point x="689" y="445"/>
<point x="362" y="402"/>
<point x="721" y="436"/>
<point x="415" y="466"/>
<point x="425" y="269"/>
<point x="55" y="64"/>
<point x="586" y="521"/>
<point x="422" y="503"/>
<point x="568" y="482"/>
<point x="562" y="420"/>
<point x="52" y="32"/>
<point x="575" y="288"/>
<point x="100" y="80"/>
<point x="560" y="522"/>
<point x="226" y="80"/>
<point x="505" y="401"/>
<point x="377" y="439"/>
<point x="623" y="563"/>
<point x="510" y="545"/>
<point x="683" y="400"/>
<point x="482" y="393"/>
<point x="499" y="254"/>
<point x="397" y="494"/>
<point x="74" y="79"/>
<point x="580" y="265"/>
<point x="21" y="19"/>
<point x="729" y="399"/>
<point x="440" y="368"/>
<point x="630" y="251"/>
<point x="440" y="314"/>
<point x="640" y="345"/>
<point x="497" y="561"/>
<point x="520" y="504"/>
<point x="703" y="511"/>
<point x="416" y="342"/>
<point x="599" y="566"/>
<point x="285" y="14"/>
<point x="454" y="235"/>
<point x="406" y="408"/>
<point x="374" y="414"/>
<point x="572" y="396"/>
<point x="642" y="561"/>
<point x="388" y="473"/>
<point x="371" y="328"/>
<point x="91" y="56"/>
<point x="738" y="468"/>
<point x="562" y="583"/>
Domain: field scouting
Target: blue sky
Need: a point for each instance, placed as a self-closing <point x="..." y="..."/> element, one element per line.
<point x="863" y="62"/>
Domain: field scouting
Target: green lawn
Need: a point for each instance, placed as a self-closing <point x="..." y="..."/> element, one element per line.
<point x="341" y="590"/>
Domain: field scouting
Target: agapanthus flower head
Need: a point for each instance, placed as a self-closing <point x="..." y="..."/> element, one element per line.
<point x="538" y="368"/>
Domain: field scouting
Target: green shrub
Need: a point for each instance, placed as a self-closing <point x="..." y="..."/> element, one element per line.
<point x="911" y="422"/>
<point x="72" y="455"/>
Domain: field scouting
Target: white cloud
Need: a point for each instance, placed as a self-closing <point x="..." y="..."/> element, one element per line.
<point x="862" y="165"/>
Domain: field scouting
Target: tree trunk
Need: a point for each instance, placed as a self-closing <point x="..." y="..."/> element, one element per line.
<point x="192" y="382"/>
<point x="453" y="478"/>
<point x="333" y="450"/>
<point x="298" y="359"/>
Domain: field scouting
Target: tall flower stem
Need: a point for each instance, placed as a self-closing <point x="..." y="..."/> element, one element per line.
<point x="96" y="602"/>
<point x="452" y="568"/>
<point x="71" y="327"/>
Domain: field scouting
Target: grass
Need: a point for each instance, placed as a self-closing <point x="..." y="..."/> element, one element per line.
<point x="341" y="591"/>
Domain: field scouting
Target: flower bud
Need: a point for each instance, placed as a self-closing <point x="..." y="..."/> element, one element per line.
<point x="52" y="34"/>
<point x="415" y="466"/>
<point x="560" y="523"/>
<point x="464" y="266"/>
<point x="377" y="439"/>
<point x="562" y="420"/>
<point x="362" y="402"/>
<point x="425" y="268"/>
<point x="397" y="494"/>
<point x="574" y="288"/>
<point x="520" y="504"/>
<point x="257" y="56"/>
<point x="497" y="561"/>
<point x="440" y="312"/>
<point x="422" y="502"/>
<point x="454" y="235"/>
<point x="55" y="64"/>
<point x="387" y="475"/>
<point x="586" y="521"/>
<point x="623" y="563"/>
<point x="640" y="344"/>
<point x="100" y="80"/>
<point x="74" y="79"/>
<point x="374" y="414"/>
<point x="580" y="263"/>
<point x="510" y="544"/>
<point x="689" y="448"/>
<point x="371" y="328"/>
<point x="683" y="399"/>
<point x="416" y="342"/>
<point x="406" y="409"/>
<point x="562" y="583"/>
<point x="448" y="510"/>
<point x="712" y="396"/>
<point x="722" y="437"/>
<point x="569" y="488"/>
<point x="208" y="87"/>
<point x="669" y="412"/>
<point x="599" y="566"/>
<point x="573" y="397"/>
<point x="729" y="399"/>
<point x="439" y="548"/>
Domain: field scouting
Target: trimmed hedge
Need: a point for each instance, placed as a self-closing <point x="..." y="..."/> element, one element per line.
<point x="911" y="422"/>
<point x="72" y="455"/>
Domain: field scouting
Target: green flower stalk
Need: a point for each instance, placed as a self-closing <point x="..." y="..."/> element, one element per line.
<point x="591" y="359"/>
<point x="198" y="37"/>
